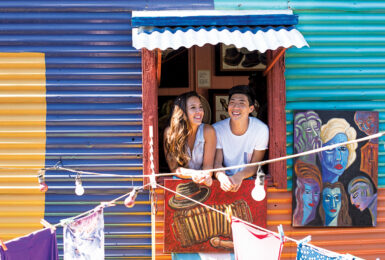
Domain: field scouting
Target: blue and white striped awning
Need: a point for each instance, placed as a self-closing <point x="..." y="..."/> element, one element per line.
<point x="254" y="30"/>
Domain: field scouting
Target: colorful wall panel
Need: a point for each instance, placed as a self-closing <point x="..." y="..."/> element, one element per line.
<point x="22" y="142"/>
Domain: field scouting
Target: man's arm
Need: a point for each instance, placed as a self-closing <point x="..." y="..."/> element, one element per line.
<point x="237" y="178"/>
<point x="221" y="176"/>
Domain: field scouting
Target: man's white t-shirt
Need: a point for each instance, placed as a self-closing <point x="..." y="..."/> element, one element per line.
<point x="238" y="149"/>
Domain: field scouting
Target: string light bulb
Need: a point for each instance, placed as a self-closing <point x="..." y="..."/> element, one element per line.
<point x="129" y="202"/>
<point x="43" y="187"/>
<point x="79" y="190"/>
<point x="259" y="193"/>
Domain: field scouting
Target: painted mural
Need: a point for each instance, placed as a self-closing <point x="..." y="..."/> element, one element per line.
<point x="336" y="187"/>
<point x="193" y="228"/>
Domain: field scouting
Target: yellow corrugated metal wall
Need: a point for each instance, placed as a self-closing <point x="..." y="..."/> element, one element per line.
<point x="22" y="142"/>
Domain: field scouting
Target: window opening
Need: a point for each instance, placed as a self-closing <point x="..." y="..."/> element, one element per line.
<point x="174" y="82"/>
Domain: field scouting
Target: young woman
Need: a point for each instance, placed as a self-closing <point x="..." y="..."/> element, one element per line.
<point x="189" y="145"/>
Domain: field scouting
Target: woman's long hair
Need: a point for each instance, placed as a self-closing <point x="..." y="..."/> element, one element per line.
<point x="179" y="130"/>
<point x="306" y="173"/>
<point x="343" y="216"/>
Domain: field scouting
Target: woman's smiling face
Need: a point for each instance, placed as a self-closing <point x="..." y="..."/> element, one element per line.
<point x="195" y="111"/>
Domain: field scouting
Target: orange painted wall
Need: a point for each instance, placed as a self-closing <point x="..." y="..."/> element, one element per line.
<point x="367" y="243"/>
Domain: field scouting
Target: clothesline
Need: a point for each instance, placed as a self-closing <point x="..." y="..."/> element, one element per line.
<point x="111" y="203"/>
<point x="102" y="204"/>
<point x="56" y="167"/>
<point x="251" y="224"/>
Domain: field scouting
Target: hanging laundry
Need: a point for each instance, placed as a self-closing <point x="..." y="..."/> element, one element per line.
<point x="84" y="237"/>
<point x="254" y="244"/>
<point x="40" y="245"/>
<point x="306" y="252"/>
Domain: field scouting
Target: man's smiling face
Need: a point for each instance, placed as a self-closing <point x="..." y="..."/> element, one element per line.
<point x="239" y="107"/>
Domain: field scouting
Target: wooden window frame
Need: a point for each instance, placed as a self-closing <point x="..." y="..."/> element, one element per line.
<point x="276" y="95"/>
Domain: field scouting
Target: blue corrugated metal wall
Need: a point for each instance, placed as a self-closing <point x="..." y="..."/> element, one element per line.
<point x="344" y="67"/>
<point x="94" y="110"/>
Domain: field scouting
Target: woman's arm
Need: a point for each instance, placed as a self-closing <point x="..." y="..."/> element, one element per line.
<point x="221" y="176"/>
<point x="210" y="147"/>
<point x="208" y="156"/>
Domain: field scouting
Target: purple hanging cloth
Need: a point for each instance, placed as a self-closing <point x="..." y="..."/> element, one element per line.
<point x="40" y="245"/>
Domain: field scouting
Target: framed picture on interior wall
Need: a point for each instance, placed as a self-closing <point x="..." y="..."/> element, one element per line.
<point x="219" y="100"/>
<point x="230" y="60"/>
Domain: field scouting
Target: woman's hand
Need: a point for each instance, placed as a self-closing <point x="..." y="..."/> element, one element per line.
<point x="184" y="173"/>
<point x="196" y="175"/>
<point x="202" y="178"/>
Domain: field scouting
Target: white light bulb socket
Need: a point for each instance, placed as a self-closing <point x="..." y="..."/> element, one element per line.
<point x="79" y="190"/>
<point x="259" y="193"/>
<point x="40" y="178"/>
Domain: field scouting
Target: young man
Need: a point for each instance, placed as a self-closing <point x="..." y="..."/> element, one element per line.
<point x="240" y="139"/>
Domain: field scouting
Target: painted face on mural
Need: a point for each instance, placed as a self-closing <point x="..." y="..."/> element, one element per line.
<point x="307" y="127"/>
<point x="331" y="202"/>
<point x="334" y="161"/>
<point x="311" y="133"/>
<point x="366" y="122"/>
<point x="360" y="195"/>
<point x="311" y="196"/>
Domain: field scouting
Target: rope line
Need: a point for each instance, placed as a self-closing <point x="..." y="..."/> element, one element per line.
<point x="103" y="204"/>
<point x="56" y="167"/>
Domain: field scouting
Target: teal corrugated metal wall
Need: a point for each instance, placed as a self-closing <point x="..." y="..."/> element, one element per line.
<point x="250" y="5"/>
<point x="344" y="67"/>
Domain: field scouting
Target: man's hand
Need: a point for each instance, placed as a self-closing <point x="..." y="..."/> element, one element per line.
<point x="226" y="183"/>
<point x="236" y="179"/>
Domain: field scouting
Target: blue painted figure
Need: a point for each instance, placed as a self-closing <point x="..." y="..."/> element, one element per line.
<point x="335" y="161"/>
<point x="307" y="192"/>
<point x="334" y="207"/>
<point x="367" y="122"/>
<point x="307" y="126"/>
<point x="362" y="196"/>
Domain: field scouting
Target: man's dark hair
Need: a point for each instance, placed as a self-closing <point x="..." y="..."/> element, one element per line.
<point x="245" y="90"/>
